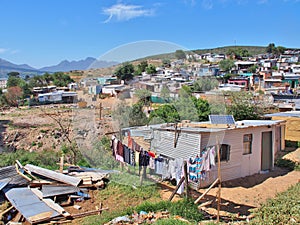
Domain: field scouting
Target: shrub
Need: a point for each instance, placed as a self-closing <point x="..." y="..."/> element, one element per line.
<point x="286" y="163"/>
<point x="283" y="209"/>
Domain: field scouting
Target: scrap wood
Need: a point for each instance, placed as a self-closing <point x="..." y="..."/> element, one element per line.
<point x="6" y="211"/>
<point x="88" y="213"/>
<point x="21" y="174"/>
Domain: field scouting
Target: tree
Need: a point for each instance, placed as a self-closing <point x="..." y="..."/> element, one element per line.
<point x="13" y="74"/>
<point x="13" y="95"/>
<point x="271" y="48"/>
<point x="137" y="116"/>
<point x="59" y="79"/>
<point x="125" y="72"/>
<point x="226" y="65"/>
<point x="204" y="84"/>
<point x="253" y="68"/>
<point x="151" y="69"/>
<point x="13" y="81"/>
<point x="143" y="96"/>
<point x="141" y="67"/>
<point x="166" y="113"/>
<point x="165" y="92"/>
<point x="180" y="54"/>
<point x="166" y="62"/>
<point x="243" y="106"/>
<point x="202" y="107"/>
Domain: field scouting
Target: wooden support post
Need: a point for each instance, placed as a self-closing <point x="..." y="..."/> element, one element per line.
<point x="207" y="190"/>
<point x="186" y="182"/>
<point x="143" y="174"/>
<point x="176" y="189"/>
<point x="100" y="111"/>
<point x="61" y="165"/>
<point x="219" y="178"/>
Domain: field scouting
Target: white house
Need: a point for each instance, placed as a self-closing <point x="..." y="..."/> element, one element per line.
<point x="246" y="147"/>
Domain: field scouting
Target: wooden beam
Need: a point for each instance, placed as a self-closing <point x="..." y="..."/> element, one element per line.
<point x="88" y="213"/>
<point x="208" y="189"/>
<point x="176" y="189"/>
<point x="186" y="181"/>
<point x="219" y="178"/>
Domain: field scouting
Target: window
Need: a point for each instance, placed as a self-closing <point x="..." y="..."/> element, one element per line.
<point x="224" y="153"/>
<point x="247" y="144"/>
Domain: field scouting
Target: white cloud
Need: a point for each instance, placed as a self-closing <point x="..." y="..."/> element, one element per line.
<point x="207" y="4"/>
<point x="190" y="2"/>
<point x="262" y="1"/>
<point x="3" y="50"/>
<point x="122" y="12"/>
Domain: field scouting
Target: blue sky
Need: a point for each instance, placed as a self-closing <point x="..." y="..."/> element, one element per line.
<point x="44" y="32"/>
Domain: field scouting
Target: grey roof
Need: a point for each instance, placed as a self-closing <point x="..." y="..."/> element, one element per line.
<point x="53" y="175"/>
<point x="54" y="190"/>
<point x="10" y="176"/>
<point x="29" y="205"/>
<point x="285" y="114"/>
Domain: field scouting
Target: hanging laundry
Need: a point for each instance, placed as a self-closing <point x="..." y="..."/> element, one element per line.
<point x="120" y="152"/>
<point x="126" y="154"/>
<point x="212" y="156"/>
<point x="159" y="165"/>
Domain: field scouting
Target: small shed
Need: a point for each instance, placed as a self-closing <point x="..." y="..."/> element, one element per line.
<point x="246" y="147"/>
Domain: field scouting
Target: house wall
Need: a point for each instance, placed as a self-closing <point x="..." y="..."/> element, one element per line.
<point x="239" y="165"/>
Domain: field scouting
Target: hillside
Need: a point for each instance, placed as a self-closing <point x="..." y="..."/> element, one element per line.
<point x="253" y="50"/>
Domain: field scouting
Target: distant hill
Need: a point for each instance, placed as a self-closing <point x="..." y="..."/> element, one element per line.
<point x="24" y="69"/>
<point x="64" y="66"/>
<point x="85" y="64"/>
<point x="253" y="50"/>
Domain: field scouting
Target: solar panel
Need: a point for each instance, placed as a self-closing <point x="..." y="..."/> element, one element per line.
<point x="221" y="119"/>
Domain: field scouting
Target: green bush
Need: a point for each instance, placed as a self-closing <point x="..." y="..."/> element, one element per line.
<point x="286" y="163"/>
<point x="46" y="159"/>
<point x="186" y="209"/>
<point x="170" y="221"/>
<point x="283" y="209"/>
<point x="154" y="207"/>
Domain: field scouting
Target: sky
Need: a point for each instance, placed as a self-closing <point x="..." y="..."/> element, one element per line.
<point x="43" y="33"/>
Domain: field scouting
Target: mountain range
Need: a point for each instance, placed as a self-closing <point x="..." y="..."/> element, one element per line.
<point x="63" y="66"/>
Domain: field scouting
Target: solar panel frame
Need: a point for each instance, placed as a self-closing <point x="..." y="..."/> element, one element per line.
<point x="221" y="119"/>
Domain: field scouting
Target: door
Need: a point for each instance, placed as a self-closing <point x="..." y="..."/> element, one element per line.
<point x="266" y="150"/>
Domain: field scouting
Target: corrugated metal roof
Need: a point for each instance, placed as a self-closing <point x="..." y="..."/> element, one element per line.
<point x="3" y="183"/>
<point x="285" y="114"/>
<point x="257" y="123"/>
<point x="29" y="205"/>
<point x="54" y="190"/>
<point x="187" y="144"/>
<point x="10" y="175"/>
<point x="53" y="175"/>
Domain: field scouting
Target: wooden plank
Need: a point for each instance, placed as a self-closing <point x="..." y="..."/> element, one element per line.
<point x="88" y="213"/>
<point x="208" y="189"/>
<point x="219" y="178"/>
<point x="186" y="181"/>
<point x="176" y="189"/>
<point x="6" y="211"/>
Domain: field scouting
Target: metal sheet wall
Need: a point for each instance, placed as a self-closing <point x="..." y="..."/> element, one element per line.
<point x="188" y="144"/>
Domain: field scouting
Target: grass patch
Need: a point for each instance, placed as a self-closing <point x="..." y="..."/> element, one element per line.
<point x="129" y="179"/>
<point x="45" y="158"/>
<point x="286" y="163"/>
<point x="283" y="209"/>
<point x="125" y="200"/>
<point x="170" y="221"/>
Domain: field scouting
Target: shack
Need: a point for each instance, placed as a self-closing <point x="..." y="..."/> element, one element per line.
<point x="246" y="147"/>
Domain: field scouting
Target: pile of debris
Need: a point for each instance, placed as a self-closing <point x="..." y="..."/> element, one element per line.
<point x="143" y="218"/>
<point x="38" y="195"/>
